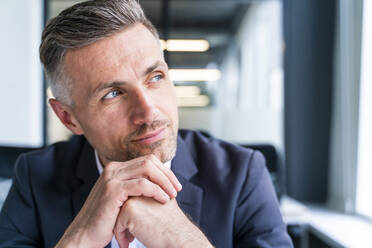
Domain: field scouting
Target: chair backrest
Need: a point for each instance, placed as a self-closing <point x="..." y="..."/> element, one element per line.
<point x="8" y="156"/>
<point x="271" y="156"/>
<point x="269" y="153"/>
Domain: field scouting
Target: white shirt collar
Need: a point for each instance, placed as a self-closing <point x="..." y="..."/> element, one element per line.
<point x="100" y="167"/>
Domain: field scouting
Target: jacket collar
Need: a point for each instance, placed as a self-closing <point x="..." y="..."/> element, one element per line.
<point x="183" y="166"/>
<point x="87" y="175"/>
<point x="183" y="162"/>
<point x="87" y="168"/>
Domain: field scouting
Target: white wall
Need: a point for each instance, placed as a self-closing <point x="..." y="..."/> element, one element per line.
<point x="20" y="73"/>
<point x="249" y="126"/>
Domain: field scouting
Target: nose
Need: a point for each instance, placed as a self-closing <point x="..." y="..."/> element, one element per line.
<point x="144" y="109"/>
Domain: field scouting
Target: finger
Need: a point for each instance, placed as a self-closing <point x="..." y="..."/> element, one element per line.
<point x="122" y="238"/>
<point x="129" y="236"/>
<point x="167" y="172"/>
<point x="148" y="169"/>
<point x="142" y="186"/>
<point x="122" y="233"/>
<point x="114" y="165"/>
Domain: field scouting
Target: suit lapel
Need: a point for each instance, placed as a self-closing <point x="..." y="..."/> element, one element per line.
<point x="87" y="174"/>
<point x="191" y="196"/>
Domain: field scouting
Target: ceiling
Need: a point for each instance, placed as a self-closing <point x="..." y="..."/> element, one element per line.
<point x="213" y="20"/>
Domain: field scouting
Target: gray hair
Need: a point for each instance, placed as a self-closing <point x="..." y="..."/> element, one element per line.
<point x="81" y="25"/>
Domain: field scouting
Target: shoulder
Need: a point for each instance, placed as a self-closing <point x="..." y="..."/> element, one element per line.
<point x="203" y="144"/>
<point x="55" y="153"/>
<point x="214" y="155"/>
<point x="208" y="142"/>
<point x="52" y="163"/>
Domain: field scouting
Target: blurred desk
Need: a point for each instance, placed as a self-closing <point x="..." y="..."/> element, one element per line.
<point x="315" y="226"/>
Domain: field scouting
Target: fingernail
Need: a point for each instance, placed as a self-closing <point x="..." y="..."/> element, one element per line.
<point x="174" y="193"/>
<point x="166" y="197"/>
<point x="179" y="185"/>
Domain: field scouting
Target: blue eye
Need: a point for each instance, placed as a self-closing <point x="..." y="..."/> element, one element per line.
<point x="157" y="78"/>
<point x="112" y="94"/>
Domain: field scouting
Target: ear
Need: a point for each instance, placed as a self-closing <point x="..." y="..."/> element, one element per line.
<point x="66" y="116"/>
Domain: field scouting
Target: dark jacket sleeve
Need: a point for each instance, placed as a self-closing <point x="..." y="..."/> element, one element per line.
<point x="18" y="221"/>
<point x="258" y="221"/>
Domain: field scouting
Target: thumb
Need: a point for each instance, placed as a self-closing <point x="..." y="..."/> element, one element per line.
<point x="124" y="238"/>
<point x="129" y="236"/>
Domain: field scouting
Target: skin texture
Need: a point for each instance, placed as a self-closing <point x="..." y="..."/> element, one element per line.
<point x="122" y="95"/>
<point x="144" y="102"/>
<point x="168" y="216"/>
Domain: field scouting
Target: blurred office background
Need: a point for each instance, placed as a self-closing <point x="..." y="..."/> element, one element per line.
<point x="287" y="77"/>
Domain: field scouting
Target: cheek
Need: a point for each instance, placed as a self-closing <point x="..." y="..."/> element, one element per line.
<point x="108" y="122"/>
<point x="167" y="103"/>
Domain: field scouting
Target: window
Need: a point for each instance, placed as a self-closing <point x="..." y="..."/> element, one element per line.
<point x="364" y="182"/>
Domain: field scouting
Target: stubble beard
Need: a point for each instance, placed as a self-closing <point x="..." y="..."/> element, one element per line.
<point x="164" y="149"/>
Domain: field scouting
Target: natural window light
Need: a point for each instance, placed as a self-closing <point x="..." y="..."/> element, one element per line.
<point x="364" y="182"/>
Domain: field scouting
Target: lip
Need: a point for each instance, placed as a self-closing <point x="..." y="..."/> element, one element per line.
<point x="151" y="137"/>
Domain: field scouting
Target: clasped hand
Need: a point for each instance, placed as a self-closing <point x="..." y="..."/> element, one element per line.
<point x="133" y="199"/>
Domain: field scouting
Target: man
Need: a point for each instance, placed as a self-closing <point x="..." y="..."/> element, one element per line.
<point x="129" y="177"/>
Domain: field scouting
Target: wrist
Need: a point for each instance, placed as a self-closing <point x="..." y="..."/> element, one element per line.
<point x="75" y="239"/>
<point x="195" y="239"/>
<point x="189" y="237"/>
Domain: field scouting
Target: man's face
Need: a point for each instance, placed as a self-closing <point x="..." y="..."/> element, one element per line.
<point x="124" y="101"/>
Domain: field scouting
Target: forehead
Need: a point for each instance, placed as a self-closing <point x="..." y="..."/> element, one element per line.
<point x="132" y="49"/>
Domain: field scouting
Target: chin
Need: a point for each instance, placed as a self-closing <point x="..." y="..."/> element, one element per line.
<point x="164" y="150"/>
<point x="163" y="156"/>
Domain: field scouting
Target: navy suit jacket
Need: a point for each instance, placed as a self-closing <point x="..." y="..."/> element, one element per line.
<point x="226" y="191"/>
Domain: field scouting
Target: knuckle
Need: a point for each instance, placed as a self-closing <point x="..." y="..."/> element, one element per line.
<point x="155" y="190"/>
<point x="147" y="165"/>
<point x="106" y="175"/>
<point x="126" y="206"/>
<point x="142" y="182"/>
<point x="129" y="205"/>
<point x="111" y="185"/>
<point x="110" y="166"/>
<point x="153" y="157"/>
<point x="150" y="156"/>
<point x="148" y="159"/>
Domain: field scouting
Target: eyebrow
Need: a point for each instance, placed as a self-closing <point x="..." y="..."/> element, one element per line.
<point x="108" y="85"/>
<point x="121" y="83"/>
<point x="154" y="66"/>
